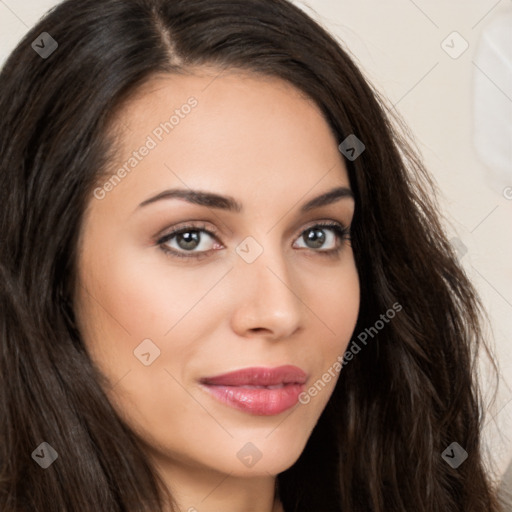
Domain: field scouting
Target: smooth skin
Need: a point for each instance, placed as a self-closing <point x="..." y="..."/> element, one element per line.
<point x="262" y="142"/>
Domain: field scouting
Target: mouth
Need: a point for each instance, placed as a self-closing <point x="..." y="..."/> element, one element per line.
<point x="259" y="391"/>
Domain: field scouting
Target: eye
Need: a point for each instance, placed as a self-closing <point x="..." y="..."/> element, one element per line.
<point x="197" y="241"/>
<point x="315" y="237"/>
<point x="188" y="239"/>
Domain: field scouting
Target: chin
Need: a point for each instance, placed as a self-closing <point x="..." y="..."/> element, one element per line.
<point x="263" y="457"/>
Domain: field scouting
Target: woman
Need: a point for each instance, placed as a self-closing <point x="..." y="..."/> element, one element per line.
<point x="224" y="283"/>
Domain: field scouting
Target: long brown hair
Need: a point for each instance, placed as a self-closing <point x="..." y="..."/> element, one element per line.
<point x="397" y="406"/>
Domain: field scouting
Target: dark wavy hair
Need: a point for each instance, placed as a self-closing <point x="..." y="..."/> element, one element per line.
<point x="396" y="407"/>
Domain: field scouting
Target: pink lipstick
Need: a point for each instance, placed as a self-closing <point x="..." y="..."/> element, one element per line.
<point x="259" y="391"/>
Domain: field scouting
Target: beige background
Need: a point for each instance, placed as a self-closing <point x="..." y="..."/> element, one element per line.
<point x="397" y="44"/>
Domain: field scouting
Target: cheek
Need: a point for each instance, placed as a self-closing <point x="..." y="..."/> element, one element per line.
<point x="336" y="306"/>
<point x="135" y="296"/>
<point x="335" y="299"/>
<point x="132" y="301"/>
<point x="120" y="306"/>
<point x="148" y="296"/>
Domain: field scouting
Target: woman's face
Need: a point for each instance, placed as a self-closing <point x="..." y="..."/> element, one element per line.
<point x="247" y="287"/>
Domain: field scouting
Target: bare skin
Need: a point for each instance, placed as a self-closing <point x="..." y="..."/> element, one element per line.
<point x="261" y="142"/>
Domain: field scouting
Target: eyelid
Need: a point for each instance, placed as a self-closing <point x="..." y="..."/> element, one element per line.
<point x="184" y="226"/>
<point x="323" y="222"/>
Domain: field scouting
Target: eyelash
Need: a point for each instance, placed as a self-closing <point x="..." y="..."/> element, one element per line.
<point x="343" y="233"/>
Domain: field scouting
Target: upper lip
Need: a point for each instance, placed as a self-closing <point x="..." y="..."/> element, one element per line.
<point x="259" y="376"/>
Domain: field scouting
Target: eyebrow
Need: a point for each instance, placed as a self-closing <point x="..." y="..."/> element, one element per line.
<point x="229" y="203"/>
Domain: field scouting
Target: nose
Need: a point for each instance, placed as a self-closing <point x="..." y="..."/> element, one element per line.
<point x="267" y="301"/>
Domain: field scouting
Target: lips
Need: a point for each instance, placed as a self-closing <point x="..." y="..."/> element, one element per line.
<point x="259" y="377"/>
<point x="260" y="391"/>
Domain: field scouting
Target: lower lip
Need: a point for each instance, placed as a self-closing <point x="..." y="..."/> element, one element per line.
<point x="259" y="401"/>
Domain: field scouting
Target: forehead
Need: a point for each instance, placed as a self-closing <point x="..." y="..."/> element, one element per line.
<point x="211" y="86"/>
<point x="224" y="130"/>
<point x="223" y="102"/>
